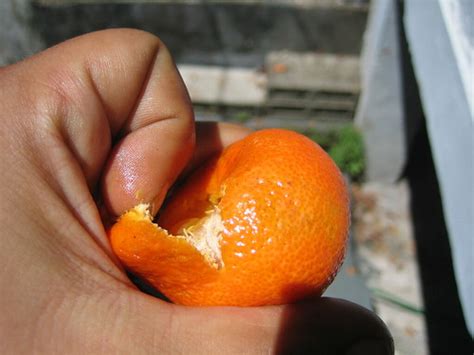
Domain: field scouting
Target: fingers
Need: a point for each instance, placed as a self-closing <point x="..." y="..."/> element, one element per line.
<point x="116" y="87"/>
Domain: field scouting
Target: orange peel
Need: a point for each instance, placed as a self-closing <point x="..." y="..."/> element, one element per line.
<point x="264" y="222"/>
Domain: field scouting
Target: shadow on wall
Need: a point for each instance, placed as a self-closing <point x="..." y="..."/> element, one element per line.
<point x="214" y="34"/>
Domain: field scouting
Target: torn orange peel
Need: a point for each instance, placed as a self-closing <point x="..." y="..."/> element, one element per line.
<point x="136" y="237"/>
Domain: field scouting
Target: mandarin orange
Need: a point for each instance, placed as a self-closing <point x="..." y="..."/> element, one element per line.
<point x="264" y="222"/>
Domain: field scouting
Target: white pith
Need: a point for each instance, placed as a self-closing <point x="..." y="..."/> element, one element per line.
<point x="205" y="236"/>
<point x="204" y="233"/>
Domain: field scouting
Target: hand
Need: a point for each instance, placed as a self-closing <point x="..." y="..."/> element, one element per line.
<point x="109" y="109"/>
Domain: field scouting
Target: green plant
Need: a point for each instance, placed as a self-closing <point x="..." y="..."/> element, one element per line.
<point x="348" y="152"/>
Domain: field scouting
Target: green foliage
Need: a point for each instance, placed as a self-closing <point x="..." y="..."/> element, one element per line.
<point x="348" y="152"/>
<point x="345" y="146"/>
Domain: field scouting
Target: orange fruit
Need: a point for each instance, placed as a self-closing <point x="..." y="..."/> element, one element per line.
<point x="264" y="222"/>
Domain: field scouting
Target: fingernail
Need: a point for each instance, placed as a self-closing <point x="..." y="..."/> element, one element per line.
<point x="369" y="347"/>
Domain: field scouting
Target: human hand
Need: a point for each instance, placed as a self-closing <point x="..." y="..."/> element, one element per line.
<point x="109" y="109"/>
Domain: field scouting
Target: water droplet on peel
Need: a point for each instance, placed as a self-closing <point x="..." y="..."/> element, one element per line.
<point x="239" y="254"/>
<point x="253" y="251"/>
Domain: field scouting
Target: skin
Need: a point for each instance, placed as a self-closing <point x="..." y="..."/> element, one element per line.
<point x="89" y="128"/>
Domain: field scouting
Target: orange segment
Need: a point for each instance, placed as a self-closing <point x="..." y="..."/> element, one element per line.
<point x="265" y="222"/>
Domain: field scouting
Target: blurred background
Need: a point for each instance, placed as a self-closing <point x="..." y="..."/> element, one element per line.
<point x="385" y="86"/>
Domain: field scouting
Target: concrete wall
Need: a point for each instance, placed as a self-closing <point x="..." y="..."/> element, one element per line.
<point x="441" y="41"/>
<point x="380" y="110"/>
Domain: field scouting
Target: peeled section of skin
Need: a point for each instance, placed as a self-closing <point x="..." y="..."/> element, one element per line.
<point x="136" y="238"/>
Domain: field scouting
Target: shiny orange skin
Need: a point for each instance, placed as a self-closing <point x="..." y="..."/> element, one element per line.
<point x="285" y="210"/>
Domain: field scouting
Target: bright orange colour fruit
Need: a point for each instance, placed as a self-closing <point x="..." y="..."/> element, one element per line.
<point x="265" y="222"/>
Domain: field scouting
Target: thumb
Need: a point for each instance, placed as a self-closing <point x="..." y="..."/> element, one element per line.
<point x="321" y="326"/>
